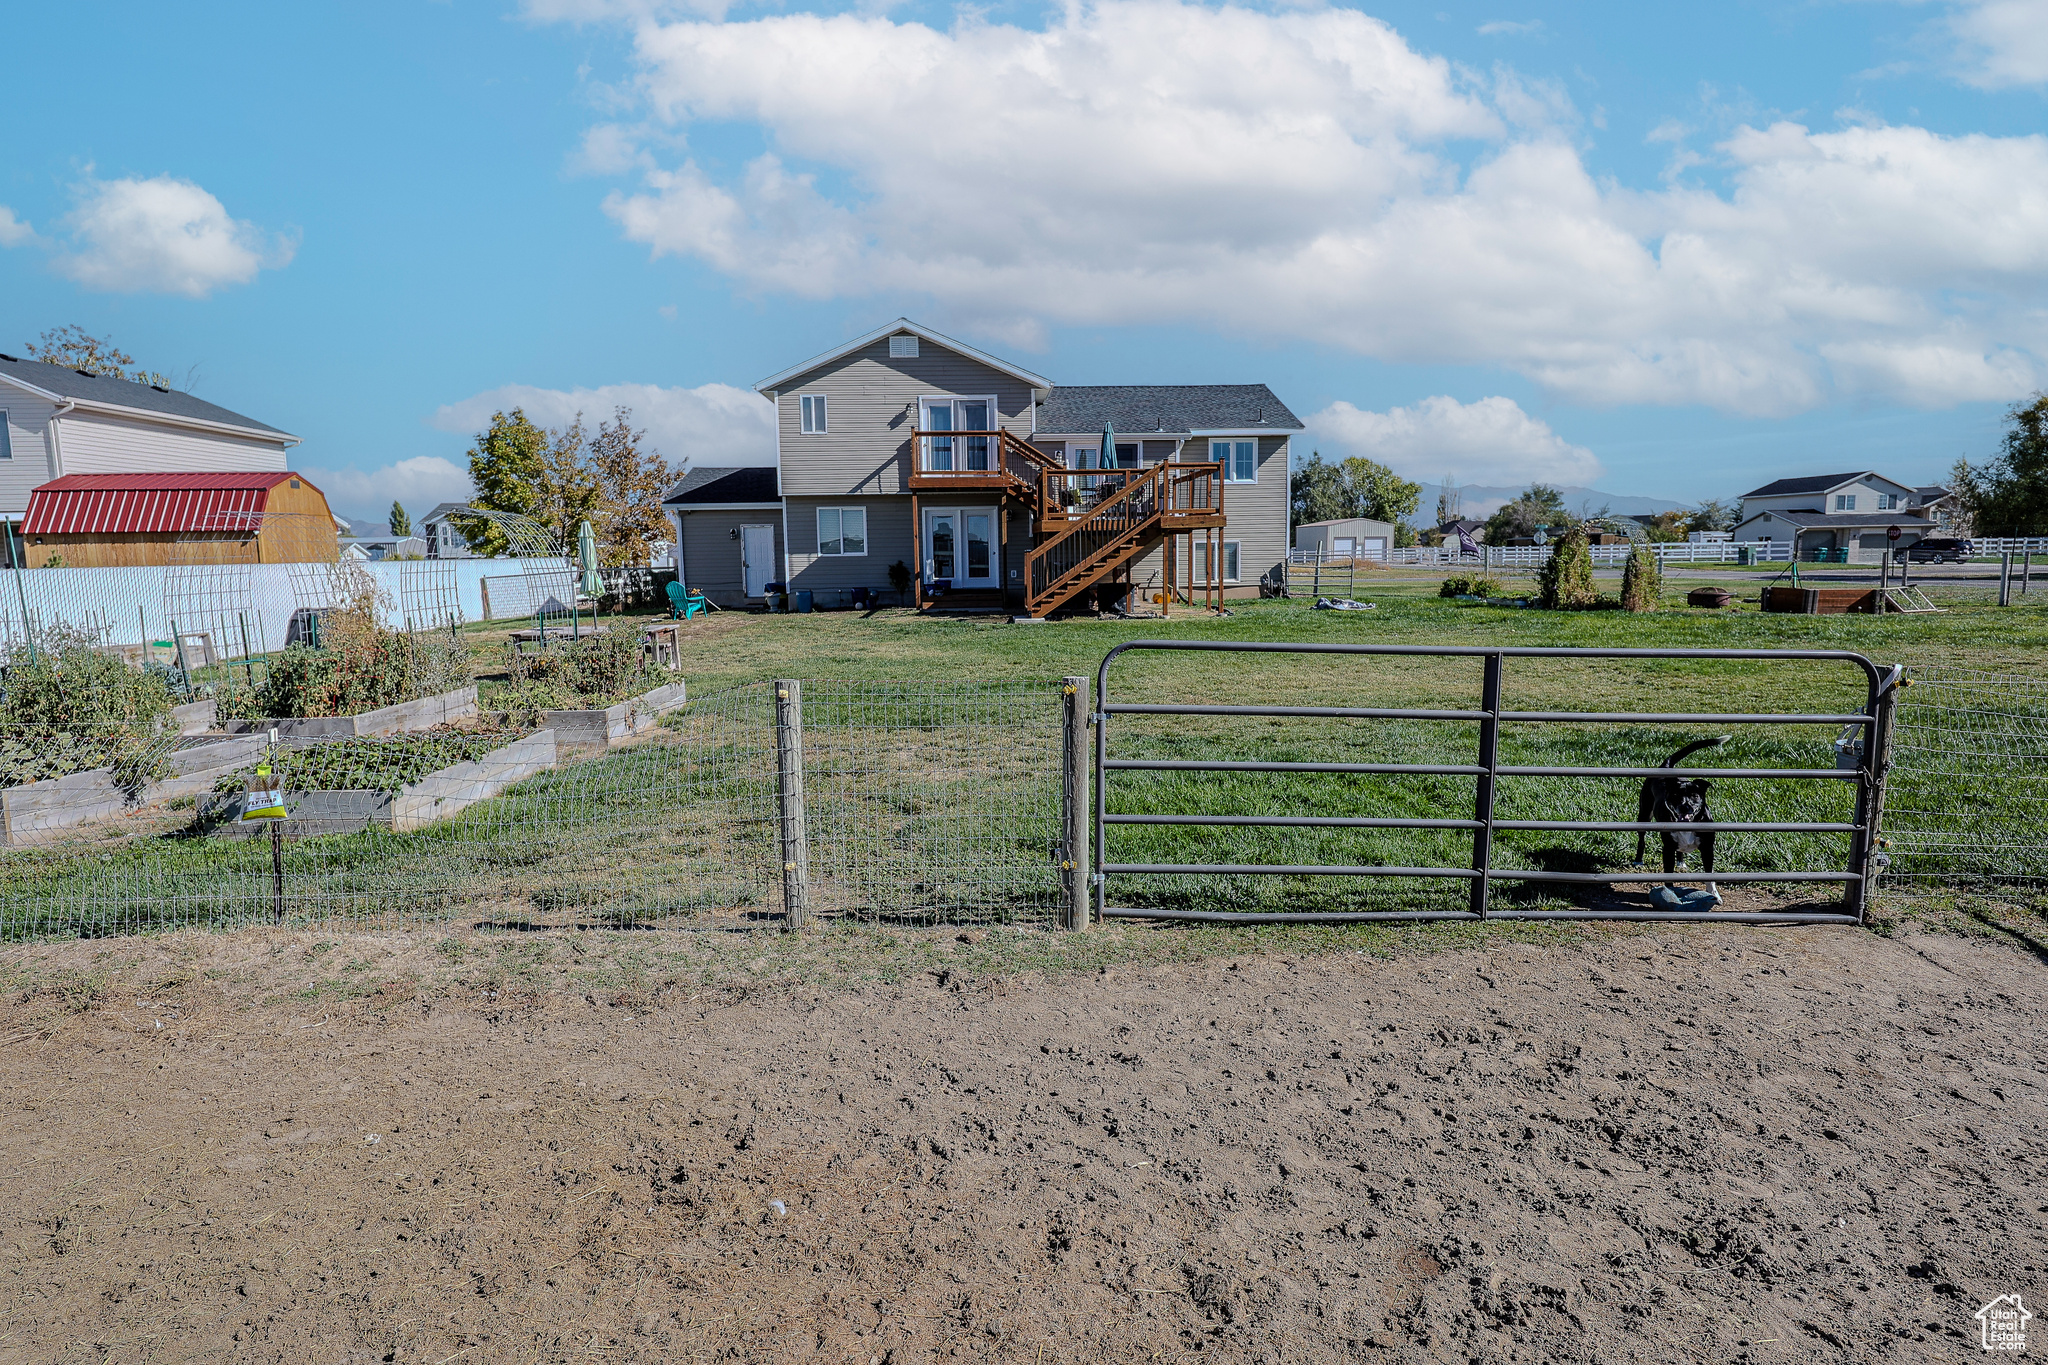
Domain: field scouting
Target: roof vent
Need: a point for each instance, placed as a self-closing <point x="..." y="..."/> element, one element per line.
<point x="159" y="388"/>
<point x="903" y="348"/>
<point x="87" y="373"/>
<point x="15" y="358"/>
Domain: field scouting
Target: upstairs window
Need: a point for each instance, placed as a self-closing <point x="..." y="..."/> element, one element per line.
<point x="842" y="530"/>
<point x="6" y="441"/>
<point x="1845" y="502"/>
<point x="813" y="405"/>
<point x="1240" y="460"/>
<point x="1887" y="501"/>
<point x="903" y="348"/>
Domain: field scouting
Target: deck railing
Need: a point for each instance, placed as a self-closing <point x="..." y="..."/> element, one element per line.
<point x="976" y="456"/>
<point x="1124" y="508"/>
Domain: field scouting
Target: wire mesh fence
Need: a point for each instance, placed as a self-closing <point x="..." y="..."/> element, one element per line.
<point x="1967" y="800"/>
<point x="927" y="802"/>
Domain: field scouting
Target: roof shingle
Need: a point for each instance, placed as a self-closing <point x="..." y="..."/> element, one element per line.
<point x="711" y="485"/>
<point x="1173" y="409"/>
<point x="99" y="388"/>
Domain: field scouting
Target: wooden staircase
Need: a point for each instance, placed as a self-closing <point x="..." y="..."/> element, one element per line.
<point x="1088" y="525"/>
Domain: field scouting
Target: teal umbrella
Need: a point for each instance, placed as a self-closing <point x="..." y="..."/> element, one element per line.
<point x="586" y="559"/>
<point x="1108" y="446"/>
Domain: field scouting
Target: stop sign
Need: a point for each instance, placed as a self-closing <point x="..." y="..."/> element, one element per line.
<point x="1891" y="533"/>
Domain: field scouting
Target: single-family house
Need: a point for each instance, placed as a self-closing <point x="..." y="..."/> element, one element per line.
<point x="1346" y="538"/>
<point x="1837" y="511"/>
<point x="56" y="422"/>
<point x="988" y="483"/>
<point x="442" y="532"/>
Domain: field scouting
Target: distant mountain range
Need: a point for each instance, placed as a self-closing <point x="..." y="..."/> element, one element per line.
<point x="1479" y="501"/>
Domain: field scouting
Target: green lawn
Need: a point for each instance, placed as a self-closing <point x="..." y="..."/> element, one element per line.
<point x="938" y="798"/>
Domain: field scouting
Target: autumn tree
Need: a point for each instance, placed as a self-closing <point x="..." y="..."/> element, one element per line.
<point x="564" y="476"/>
<point x="76" y="349"/>
<point x="632" y="479"/>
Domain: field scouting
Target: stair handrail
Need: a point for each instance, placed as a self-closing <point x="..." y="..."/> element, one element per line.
<point x="1117" y="513"/>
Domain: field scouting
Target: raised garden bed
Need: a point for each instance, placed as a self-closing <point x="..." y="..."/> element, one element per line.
<point x="1820" y="601"/>
<point x="602" y="728"/>
<point x="433" y="796"/>
<point x="423" y="713"/>
<point x="48" y="811"/>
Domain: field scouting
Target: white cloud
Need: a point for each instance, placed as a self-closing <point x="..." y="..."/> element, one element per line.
<point x="420" y="483"/>
<point x="166" y="236"/>
<point x="1307" y="175"/>
<point x="2001" y="43"/>
<point x="712" y="424"/>
<point x="1509" y="26"/>
<point x="14" y="231"/>
<point x="1491" y="441"/>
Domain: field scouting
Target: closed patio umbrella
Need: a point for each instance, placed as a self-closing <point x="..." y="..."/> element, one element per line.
<point x="591" y="585"/>
<point x="1108" y="446"/>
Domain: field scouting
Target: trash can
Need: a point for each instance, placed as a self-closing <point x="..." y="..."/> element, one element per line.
<point x="803" y="601"/>
<point x="1742" y="554"/>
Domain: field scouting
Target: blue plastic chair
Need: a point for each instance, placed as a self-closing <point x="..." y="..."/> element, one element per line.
<point x="685" y="603"/>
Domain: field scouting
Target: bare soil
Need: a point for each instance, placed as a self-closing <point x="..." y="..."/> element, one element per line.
<point x="1672" y="1144"/>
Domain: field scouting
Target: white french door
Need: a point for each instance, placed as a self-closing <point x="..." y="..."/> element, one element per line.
<point x="960" y="546"/>
<point x="947" y="454"/>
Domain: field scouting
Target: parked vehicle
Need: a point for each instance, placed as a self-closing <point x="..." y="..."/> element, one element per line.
<point x="1934" y="550"/>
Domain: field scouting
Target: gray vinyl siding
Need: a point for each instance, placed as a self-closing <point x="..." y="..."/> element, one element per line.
<point x="711" y="550"/>
<point x="870" y="408"/>
<point x="95" y="444"/>
<point x="889" y="540"/>
<point x="28" y="435"/>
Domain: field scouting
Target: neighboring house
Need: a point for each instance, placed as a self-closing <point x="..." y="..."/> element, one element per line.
<point x="987" y="481"/>
<point x="374" y="548"/>
<point x="56" y="422"/>
<point x="443" y="533"/>
<point x="1836" y="511"/>
<point x="110" y="520"/>
<point x="1348" y="537"/>
<point x="728" y="521"/>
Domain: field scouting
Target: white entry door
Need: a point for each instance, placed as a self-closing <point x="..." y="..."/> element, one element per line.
<point x="757" y="558"/>
<point x="960" y="546"/>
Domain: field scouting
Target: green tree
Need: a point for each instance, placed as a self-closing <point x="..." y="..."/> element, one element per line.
<point x="1539" y="505"/>
<point x="1358" y="487"/>
<point x="2009" y="496"/>
<point x="508" y="464"/>
<point x="1566" y="578"/>
<point x="1642" y="579"/>
<point x="1714" y="515"/>
<point x="401" y="524"/>
<point x="76" y="349"/>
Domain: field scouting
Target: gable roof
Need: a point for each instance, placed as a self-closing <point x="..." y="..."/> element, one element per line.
<point x="1175" y="409"/>
<point x="1817" y="483"/>
<point x="1911" y="519"/>
<point x="777" y="380"/>
<point x="721" y="485"/>
<point x="116" y="504"/>
<point x="104" y="391"/>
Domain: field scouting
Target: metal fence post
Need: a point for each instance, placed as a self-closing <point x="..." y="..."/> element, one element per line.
<point x="1867" y="842"/>
<point x="789" y="793"/>
<point x="1482" y="803"/>
<point x="2005" y="579"/>
<point x="1074" y="804"/>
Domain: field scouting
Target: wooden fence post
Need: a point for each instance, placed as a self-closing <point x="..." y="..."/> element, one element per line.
<point x="794" y="842"/>
<point x="1074" y="804"/>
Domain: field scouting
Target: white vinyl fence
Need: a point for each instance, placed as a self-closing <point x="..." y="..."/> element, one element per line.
<point x="1533" y="556"/>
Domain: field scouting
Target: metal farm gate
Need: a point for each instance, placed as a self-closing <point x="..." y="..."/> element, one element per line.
<point x="1859" y="759"/>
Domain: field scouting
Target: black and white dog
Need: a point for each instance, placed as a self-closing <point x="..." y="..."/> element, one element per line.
<point x="1676" y="800"/>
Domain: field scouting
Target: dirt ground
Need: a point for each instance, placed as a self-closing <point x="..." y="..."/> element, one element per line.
<point x="1671" y="1144"/>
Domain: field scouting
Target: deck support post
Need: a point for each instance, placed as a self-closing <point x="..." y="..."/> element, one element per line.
<point x="1074" y="804"/>
<point x="916" y="550"/>
<point x="793" y="842"/>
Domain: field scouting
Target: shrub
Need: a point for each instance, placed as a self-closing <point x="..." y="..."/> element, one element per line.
<point x="1471" y="585"/>
<point x="1642" y="580"/>
<point x="358" y="666"/>
<point x="1566" y="579"/>
<point x="70" y="706"/>
<point x="595" y="671"/>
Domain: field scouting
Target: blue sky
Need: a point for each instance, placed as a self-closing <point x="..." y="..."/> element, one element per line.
<point x="1666" y="250"/>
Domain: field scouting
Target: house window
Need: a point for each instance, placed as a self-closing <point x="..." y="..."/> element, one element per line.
<point x="1202" y="562"/>
<point x="1845" y="502"/>
<point x="842" y="531"/>
<point x="6" y="441"/>
<point x="1240" y="460"/>
<point x="1887" y="501"/>
<point x="813" y="414"/>
<point x="902" y="348"/>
